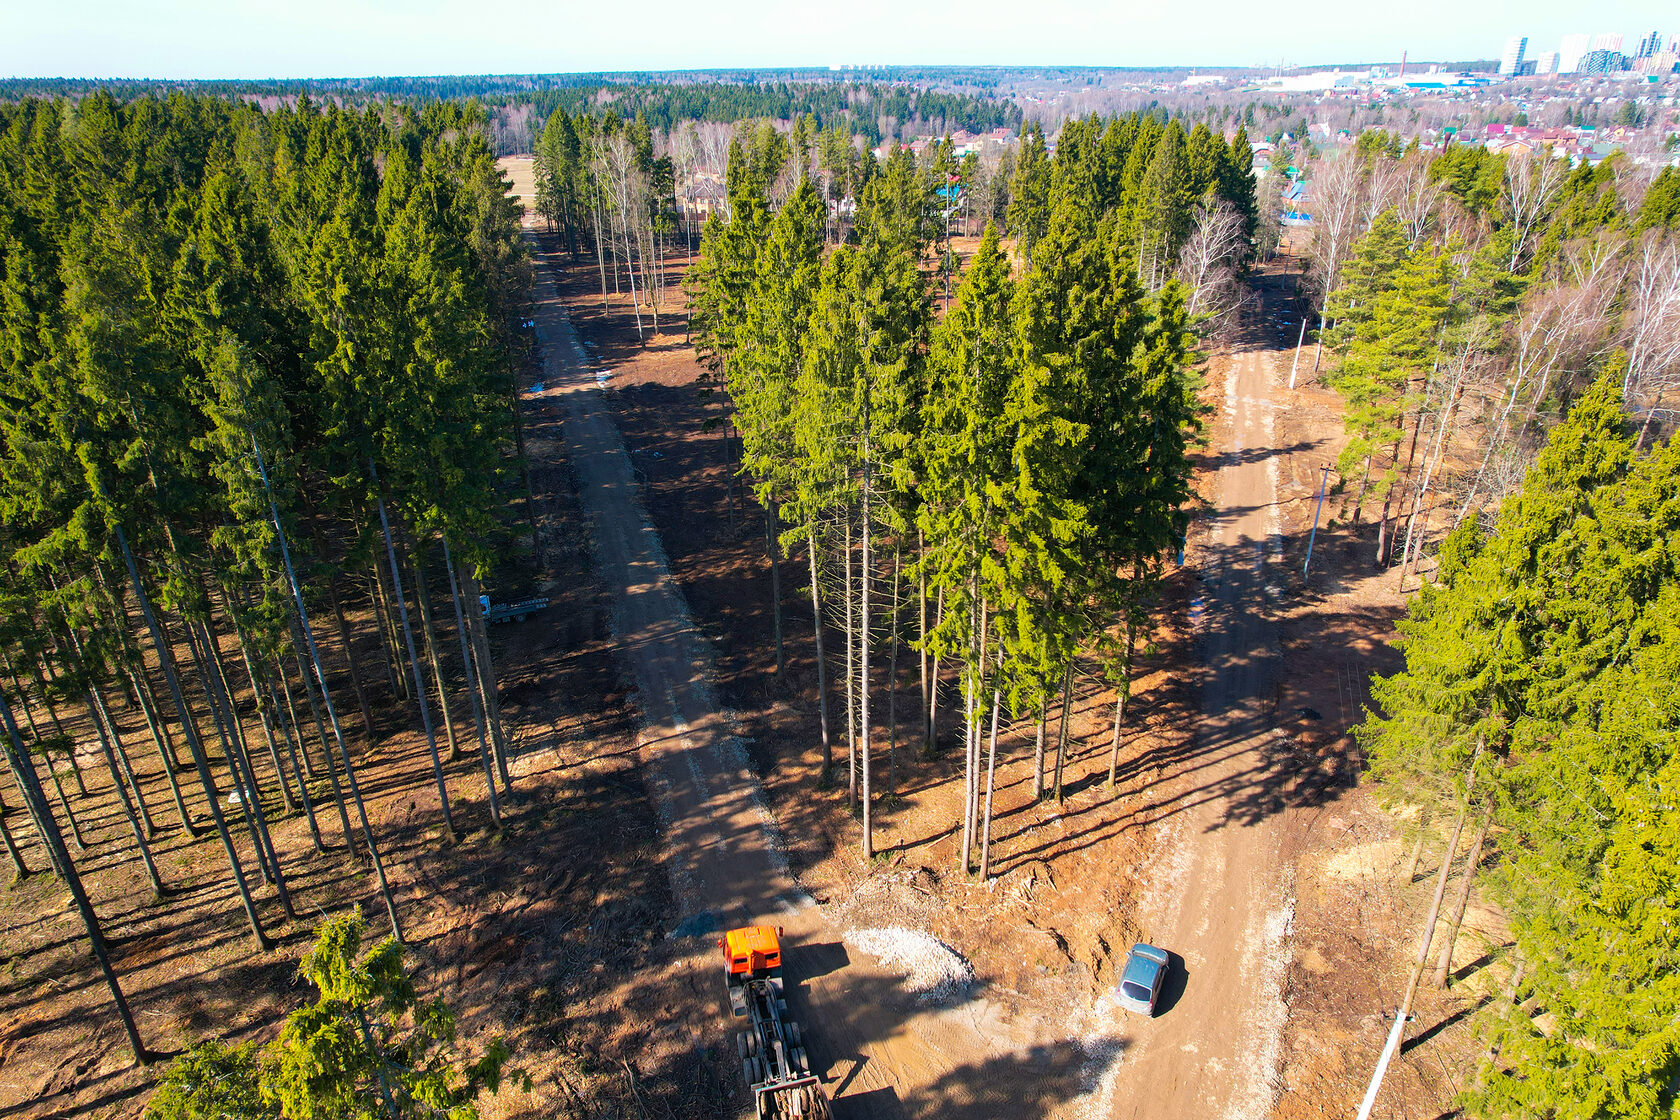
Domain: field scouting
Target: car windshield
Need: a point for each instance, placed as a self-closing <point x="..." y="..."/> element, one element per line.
<point x="1135" y="991"/>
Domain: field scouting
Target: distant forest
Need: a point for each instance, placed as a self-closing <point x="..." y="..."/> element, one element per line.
<point x="519" y="104"/>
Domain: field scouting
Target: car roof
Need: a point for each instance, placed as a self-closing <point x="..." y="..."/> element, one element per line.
<point x="1141" y="967"/>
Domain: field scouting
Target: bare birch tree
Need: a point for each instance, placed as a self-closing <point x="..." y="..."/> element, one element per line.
<point x="1563" y="328"/>
<point x="1208" y="264"/>
<point x="1531" y="182"/>
<point x="1337" y="193"/>
<point x="1418" y="198"/>
<point x="1652" y="326"/>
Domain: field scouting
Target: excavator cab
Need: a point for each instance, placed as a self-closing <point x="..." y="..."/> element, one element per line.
<point x="752" y="953"/>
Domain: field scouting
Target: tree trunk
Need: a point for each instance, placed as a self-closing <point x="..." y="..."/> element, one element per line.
<point x="54" y="865"/>
<point x="120" y="753"/>
<point x="30" y="787"/>
<point x="64" y="802"/>
<point x="922" y="633"/>
<point x="76" y="832"/>
<point x="770" y="551"/>
<point x="301" y="624"/>
<point x="387" y="636"/>
<point x="265" y="715"/>
<point x="326" y="745"/>
<point x="1409" y="556"/>
<point x="286" y="718"/>
<point x="1062" y="731"/>
<point x="1382" y="520"/>
<point x="227" y="729"/>
<point x="892" y="686"/>
<point x="1443" y="965"/>
<point x="166" y="660"/>
<point x="600" y="256"/>
<point x="20" y="869"/>
<point x="1425" y="816"/>
<point x="428" y="632"/>
<point x="933" y="683"/>
<point x="1038" y="757"/>
<point x="342" y="626"/>
<point x="975" y="697"/>
<point x="827" y="772"/>
<point x="68" y="739"/>
<point x="987" y="672"/>
<point x="472" y="692"/>
<point x="245" y="778"/>
<point x="413" y="658"/>
<point x="486" y="675"/>
<point x="968" y="769"/>
<point x="97" y="714"/>
<point x="1121" y="695"/>
<point x="1428" y="934"/>
<point x="1429" y="920"/>
<point x="165" y="748"/>
<point x="851" y="672"/>
<point x="863" y="651"/>
<point x="991" y="770"/>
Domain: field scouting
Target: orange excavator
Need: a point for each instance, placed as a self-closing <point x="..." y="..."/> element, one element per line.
<point x="772" y="1052"/>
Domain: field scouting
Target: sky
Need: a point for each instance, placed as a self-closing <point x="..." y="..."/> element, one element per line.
<point x="359" y="38"/>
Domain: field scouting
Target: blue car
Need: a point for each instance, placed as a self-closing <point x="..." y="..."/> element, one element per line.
<point x="1140" y="983"/>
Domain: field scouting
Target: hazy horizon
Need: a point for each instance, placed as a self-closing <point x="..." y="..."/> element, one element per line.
<point x="201" y="40"/>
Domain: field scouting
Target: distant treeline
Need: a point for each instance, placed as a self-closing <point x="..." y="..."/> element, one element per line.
<point x="875" y="110"/>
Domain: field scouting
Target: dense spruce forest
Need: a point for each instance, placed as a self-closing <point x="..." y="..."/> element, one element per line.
<point x="1002" y="485"/>
<point x="1504" y="334"/>
<point x="1537" y="718"/>
<point x="256" y="376"/>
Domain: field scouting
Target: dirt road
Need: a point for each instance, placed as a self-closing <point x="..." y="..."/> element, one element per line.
<point x="1221" y="899"/>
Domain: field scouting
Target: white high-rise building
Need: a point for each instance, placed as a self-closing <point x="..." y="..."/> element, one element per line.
<point x="1515" y="47"/>
<point x="1607" y="41"/>
<point x="1570" y="52"/>
<point x="1546" y="63"/>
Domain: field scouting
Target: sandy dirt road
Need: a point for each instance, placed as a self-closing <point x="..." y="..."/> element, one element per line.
<point x="884" y="1051"/>
<point x="1220" y="898"/>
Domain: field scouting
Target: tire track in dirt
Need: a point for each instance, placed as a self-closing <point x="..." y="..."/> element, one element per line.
<point x="883" y="1052"/>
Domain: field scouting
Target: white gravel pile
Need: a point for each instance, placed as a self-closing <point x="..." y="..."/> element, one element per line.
<point x="935" y="970"/>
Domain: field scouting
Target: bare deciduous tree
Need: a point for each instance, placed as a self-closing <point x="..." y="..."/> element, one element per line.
<point x="1337" y="192"/>
<point x="1208" y="265"/>
<point x="1530" y="184"/>
<point x="1563" y="328"/>
<point x="1652" y="326"/>
<point x="1384" y="183"/>
<point x="1418" y="197"/>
